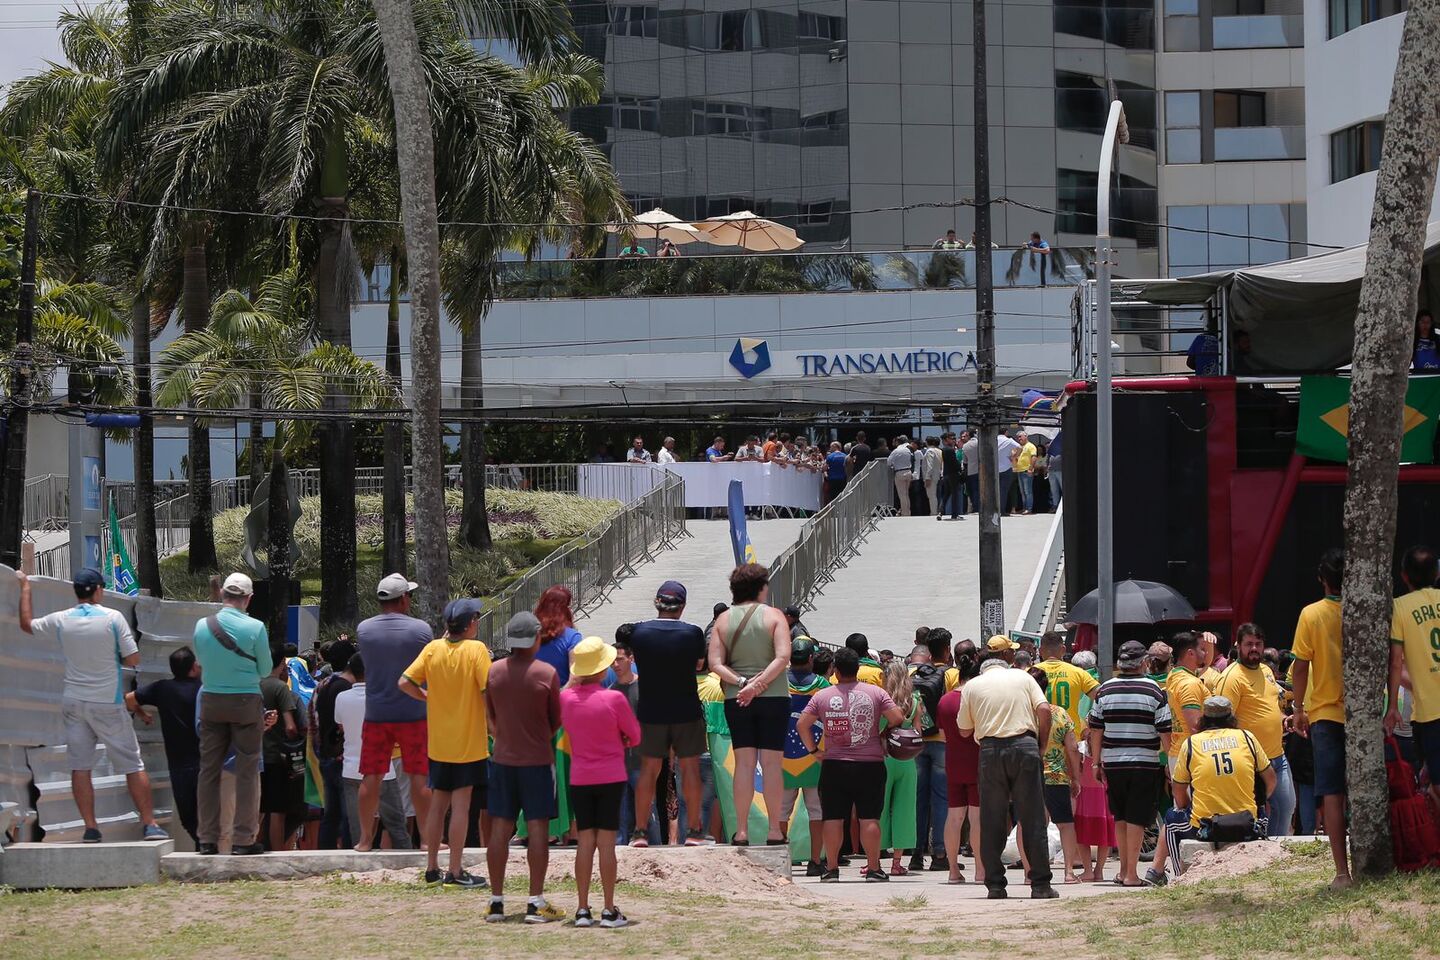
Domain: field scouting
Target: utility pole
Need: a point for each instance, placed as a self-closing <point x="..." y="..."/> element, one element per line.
<point x="17" y="417"/>
<point x="992" y="582"/>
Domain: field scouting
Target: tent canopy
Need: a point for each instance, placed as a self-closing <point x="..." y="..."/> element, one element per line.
<point x="1300" y="314"/>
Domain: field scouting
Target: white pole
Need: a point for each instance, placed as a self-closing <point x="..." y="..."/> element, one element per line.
<point x="1115" y="132"/>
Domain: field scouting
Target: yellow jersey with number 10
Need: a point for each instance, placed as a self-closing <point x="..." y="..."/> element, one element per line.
<point x="1068" y="683"/>
<point x="1416" y="627"/>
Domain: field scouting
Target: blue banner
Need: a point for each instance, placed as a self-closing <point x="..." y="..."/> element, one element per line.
<point x="739" y="538"/>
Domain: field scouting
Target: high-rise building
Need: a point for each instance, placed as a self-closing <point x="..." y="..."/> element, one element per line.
<point x="848" y="117"/>
<point x="1351" y="47"/>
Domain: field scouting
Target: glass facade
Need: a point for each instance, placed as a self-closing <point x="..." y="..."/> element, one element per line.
<point x="1239" y="236"/>
<point x="1356" y="150"/>
<point x="1346" y="15"/>
<point x="855" y="121"/>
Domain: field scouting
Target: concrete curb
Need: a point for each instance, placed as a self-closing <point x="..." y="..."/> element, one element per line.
<point x="82" y="866"/>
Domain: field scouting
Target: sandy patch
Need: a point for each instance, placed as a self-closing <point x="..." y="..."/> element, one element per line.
<point x="720" y="871"/>
<point x="1233" y="861"/>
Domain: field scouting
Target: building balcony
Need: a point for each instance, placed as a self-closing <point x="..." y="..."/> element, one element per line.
<point x="1258" y="32"/>
<point x="712" y="275"/>
<point x="1259" y="143"/>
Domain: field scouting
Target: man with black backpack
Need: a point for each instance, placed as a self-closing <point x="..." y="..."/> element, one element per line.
<point x="234" y="653"/>
<point x="930" y="799"/>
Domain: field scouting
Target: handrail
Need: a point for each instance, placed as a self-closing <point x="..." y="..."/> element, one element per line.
<point x="831" y="537"/>
<point x="1036" y="607"/>
<point x="592" y="565"/>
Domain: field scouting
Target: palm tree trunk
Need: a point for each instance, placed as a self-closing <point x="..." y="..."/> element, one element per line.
<point x="393" y="495"/>
<point x="338" y="600"/>
<point x="415" y="151"/>
<point x="1404" y="187"/>
<point x="147" y="556"/>
<point x="279" y="535"/>
<point x="195" y="314"/>
<point x="474" y="521"/>
<point x="256" y="444"/>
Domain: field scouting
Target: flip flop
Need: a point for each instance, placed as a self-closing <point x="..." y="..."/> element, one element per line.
<point x="900" y="871"/>
<point x="955" y="883"/>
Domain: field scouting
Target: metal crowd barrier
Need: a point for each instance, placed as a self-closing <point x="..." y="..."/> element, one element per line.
<point x="32" y="735"/>
<point x="831" y="537"/>
<point x="595" y="562"/>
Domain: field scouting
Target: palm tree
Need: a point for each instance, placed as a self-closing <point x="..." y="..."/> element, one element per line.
<point x="264" y="349"/>
<point x="78" y="326"/>
<point x="1404" y="188"/>
<point x="49" y="123"/>
<point x="292" y="85"/>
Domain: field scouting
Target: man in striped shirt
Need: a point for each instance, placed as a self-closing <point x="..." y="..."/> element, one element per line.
<point x="1130" y="732"/>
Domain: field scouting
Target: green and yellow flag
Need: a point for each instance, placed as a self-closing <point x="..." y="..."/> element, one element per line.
<point x="1324" y="429"/>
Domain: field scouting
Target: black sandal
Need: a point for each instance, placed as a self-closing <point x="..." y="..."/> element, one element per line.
<point x="738" y="843"/>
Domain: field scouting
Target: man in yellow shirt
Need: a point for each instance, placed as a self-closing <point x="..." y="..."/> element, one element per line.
<point x="1025" y="470"/>
<point x="1215" y="775"/>
<point x="1186" y="694"/>
<point x="1415" y="644"/>
<point x="1319" y="687"/>
<point x="870" y="669"/>
<point x="450" y="676"/>
<point x="1251" y="688"/>
<point x="1068" y="683"/>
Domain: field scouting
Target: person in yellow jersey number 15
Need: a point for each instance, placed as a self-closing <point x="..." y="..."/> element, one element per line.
<point x="1415" y="646"/>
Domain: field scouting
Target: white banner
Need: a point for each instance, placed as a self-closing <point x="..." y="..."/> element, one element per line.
<point x="766" y="484"/>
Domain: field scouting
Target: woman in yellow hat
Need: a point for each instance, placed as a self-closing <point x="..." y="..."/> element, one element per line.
<point x="601" y="725"/>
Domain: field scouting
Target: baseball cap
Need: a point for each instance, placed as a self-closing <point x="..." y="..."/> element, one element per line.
<point x="1132" y="654"/>
<point x="1160" y="651"/>
<point x="459" y="613"/>
<point x="671" y="594"/>
<point x="792" y="611"/>
<point x="591" y="656"/>
<point x="522" y="631"/>
<point x="1218" y="706"/>
<point x="238" y="585"/>
<point x="88" y="579"/>
<point x="395" y="586"/>
<point x="1000" y="643"/>
<point x="802" y="649"/>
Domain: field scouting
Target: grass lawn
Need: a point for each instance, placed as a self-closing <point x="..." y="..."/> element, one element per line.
<point x="1280" y="911"/>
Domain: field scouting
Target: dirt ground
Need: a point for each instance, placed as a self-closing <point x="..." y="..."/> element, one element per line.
<point x="731" y="909"/>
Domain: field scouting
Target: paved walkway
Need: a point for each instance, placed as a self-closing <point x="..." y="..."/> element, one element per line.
<point x="702" y="562"/>
<point x="917" y="570"/>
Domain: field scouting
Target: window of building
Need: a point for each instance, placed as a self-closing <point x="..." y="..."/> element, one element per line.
<point x="634" y="21"/>
<point x="712" y="117"/>
<point x="816" y="213"/>
<point x="1355" y="150"/>
<point x="637" y="113"/>
<point x="813" y="27"/>
<point x="1182" y="126"/>
<point x="1239" y="108"/>
<point x="1202" y="239"/>
<point x="1346" y="15"/>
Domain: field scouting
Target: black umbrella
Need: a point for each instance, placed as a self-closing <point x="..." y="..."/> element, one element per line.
<point x="1136" y="601"/>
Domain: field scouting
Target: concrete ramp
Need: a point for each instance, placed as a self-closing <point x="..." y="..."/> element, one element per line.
<point x="701" y="561"/>
<point x="917" y="570"/>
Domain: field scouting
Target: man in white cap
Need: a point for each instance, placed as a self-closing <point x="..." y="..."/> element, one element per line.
<point x="96" y="643"/>
<point x="389" y="642"/>
<point x="234" y="653"/>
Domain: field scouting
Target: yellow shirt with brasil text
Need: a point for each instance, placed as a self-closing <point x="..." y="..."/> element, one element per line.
<point x="454" y="674"/>
<point x="1317" y="642"/>
<point x="1416" y="627"/>
<point x="1185" y="691"/>
<point x="1220" y="765"/>
<point x="1068" y="683"/>
<point x="1256" y="698"/>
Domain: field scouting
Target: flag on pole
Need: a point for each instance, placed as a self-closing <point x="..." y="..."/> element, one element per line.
<point x="739" y="537"/>
<point x="119" y="572"/>
<point x="1324" y="428"/>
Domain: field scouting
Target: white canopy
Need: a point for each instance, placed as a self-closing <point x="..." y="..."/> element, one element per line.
<point x="660" y="225"/>
<point x="750" y="231"/>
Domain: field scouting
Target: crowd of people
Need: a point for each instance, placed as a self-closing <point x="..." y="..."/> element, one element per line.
<point x="933" y="476"/>
<point x="948" y="751"/>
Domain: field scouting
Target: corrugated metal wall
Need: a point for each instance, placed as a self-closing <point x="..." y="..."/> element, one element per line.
<point x="32" y="741"/>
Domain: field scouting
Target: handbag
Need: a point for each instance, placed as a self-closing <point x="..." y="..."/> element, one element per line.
<point x="1228" y="828"/>
<point x="292" y="757"/>
<point x="903" y="743"/>
<point x="1414" y="832"/>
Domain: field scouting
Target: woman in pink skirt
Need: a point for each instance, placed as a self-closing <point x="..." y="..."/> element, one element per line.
<point x="1094" y="826"/>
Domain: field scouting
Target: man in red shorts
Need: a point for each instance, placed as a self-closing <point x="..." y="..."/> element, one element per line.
<point x="389" y="643"/>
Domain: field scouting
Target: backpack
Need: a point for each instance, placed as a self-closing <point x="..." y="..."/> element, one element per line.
<point x="930" y="684"/>
<point x="1414" y="832"/>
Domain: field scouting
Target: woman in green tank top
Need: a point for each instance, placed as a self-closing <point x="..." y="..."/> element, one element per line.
<point x="750" y="651"/>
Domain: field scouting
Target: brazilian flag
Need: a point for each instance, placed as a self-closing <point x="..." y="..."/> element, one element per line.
<point x="1324" y="429"/>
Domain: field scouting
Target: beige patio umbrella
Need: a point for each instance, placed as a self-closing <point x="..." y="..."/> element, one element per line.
<point x="746" y="229"/>
<point x="658" y="224"/>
